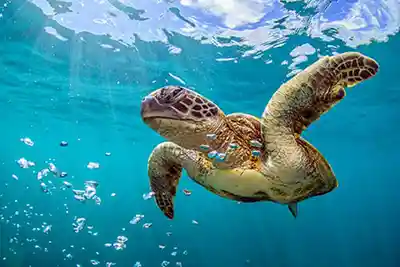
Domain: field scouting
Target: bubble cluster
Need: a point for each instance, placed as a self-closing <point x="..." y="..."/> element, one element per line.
<point x="89" y="192"/>
<point x="119" y="244"/>
<point x="41" y="229"/>
<point x="218" y="156"/>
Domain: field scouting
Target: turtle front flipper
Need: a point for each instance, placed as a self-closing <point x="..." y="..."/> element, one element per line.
<point x="165" y="169"/>
<point x="294" y="164"/>
<point x="316" y="89"/>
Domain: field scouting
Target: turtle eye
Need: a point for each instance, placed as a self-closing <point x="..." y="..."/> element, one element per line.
<point x="169" y="95"/>
<point x="177" y="91"/>
<point x="167" y="98"/>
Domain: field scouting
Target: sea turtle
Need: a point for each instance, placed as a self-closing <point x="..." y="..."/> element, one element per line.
<point x="244" y="158"/>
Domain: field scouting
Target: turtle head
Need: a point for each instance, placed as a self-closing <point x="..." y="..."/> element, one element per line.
<point x="181" y="115"/>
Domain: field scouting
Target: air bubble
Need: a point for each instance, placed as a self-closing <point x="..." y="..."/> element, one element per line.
<point x="212" y="154"/>
<point x="211" y="136"/>
<point x="233" y="146"/>
<point x="63" y="143"/>
<point x="255" y="143"/>
<point x="205" y="147"/>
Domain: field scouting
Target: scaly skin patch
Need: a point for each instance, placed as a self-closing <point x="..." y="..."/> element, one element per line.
<point x="288" y="169"/>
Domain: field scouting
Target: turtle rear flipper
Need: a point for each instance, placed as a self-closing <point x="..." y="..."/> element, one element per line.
<point x="293" y="209"/>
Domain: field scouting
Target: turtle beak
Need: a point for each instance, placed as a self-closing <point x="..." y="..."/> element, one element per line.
<point x="150" y="108"/>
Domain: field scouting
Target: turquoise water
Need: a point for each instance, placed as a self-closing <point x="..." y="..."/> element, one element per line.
<point x="76" y="71"/>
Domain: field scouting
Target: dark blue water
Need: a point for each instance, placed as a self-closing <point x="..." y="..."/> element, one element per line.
<point x="76" y="71"/>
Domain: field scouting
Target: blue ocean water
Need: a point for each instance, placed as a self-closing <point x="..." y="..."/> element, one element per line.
<point x="76" y="71"/>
